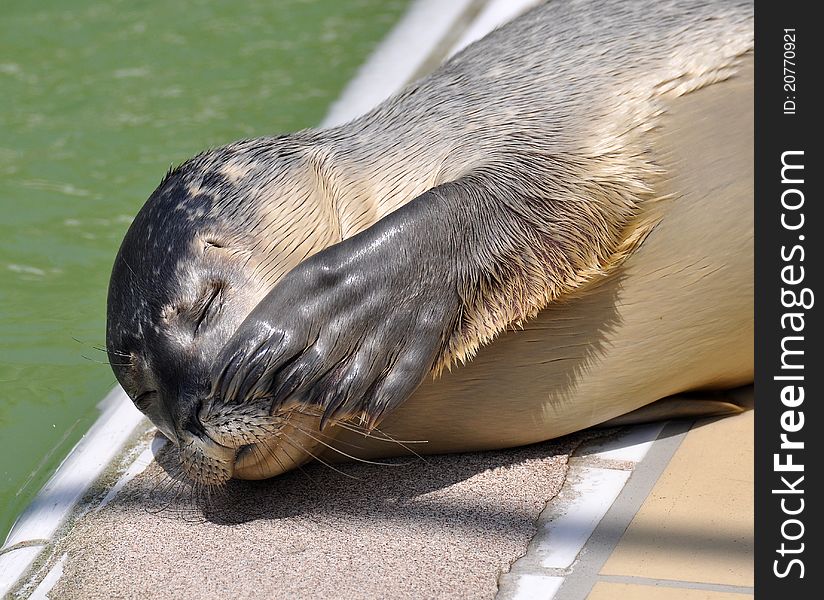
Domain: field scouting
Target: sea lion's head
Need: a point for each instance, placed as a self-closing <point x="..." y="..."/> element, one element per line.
<point x="207" y="246"/>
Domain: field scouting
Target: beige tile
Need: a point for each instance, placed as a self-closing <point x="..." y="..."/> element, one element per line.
<point x="625" y="591"/>
<point x="697" y="523"/>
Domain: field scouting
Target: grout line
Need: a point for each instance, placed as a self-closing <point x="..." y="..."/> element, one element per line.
<point x="597" y="476"/>
<point x="578" y="584"/>
<point x="673" y="583"/>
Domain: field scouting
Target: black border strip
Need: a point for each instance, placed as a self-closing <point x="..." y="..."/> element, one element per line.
<point x="787" y="103"/>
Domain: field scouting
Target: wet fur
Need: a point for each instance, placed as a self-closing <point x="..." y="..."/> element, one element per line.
<point x="524" y="171"/>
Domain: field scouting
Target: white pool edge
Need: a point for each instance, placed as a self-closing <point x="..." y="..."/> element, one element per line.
<point x="92" y="455"/>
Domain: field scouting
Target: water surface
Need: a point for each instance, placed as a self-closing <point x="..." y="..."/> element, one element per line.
<point x="97" y="100"/>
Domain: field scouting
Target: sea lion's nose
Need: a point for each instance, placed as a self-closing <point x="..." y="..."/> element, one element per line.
<point x="188" y="422"/>
<point x="161" y="417"/>
<point x="180" y="418"/>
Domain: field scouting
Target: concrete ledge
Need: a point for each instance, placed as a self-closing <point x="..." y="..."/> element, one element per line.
<point x="37" y="525"/>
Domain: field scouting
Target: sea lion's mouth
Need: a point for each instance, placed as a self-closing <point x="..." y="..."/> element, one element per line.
<point x="243" y="453"/>
<point x="205" y="460"/>
<point x="293" y="444"/>
<point x="246" y="442"/>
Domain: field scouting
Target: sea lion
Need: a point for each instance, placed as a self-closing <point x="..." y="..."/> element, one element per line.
<point x="561" y="215"/>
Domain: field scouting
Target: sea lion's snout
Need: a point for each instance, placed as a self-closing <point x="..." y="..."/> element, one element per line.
<point x="262" y="444"/>
<point x="217" y="440"/>
<point x="204" y="460"/>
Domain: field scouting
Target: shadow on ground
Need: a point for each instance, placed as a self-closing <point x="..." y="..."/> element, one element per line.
<point x="348" y="490"/>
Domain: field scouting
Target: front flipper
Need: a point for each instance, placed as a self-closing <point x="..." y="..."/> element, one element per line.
<point x="353" y="330"/>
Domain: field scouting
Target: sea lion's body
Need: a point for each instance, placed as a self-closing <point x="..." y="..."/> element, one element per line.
<point x="576" y="187"/>
<point x="678" y="317"/>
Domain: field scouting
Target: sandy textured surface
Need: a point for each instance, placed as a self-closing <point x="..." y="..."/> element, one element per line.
<point x="443" y="528"/>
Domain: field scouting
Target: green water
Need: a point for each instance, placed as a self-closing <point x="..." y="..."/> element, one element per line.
<point x="97" y="100"/>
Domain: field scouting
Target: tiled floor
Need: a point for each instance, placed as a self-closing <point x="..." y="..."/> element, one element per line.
<point x="697" y="523"/>
<point x="678" y="525"/>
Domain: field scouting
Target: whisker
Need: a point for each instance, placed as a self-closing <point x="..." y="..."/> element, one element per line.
<point x="402" y="444"/>
<point x="274" y="428"/>
<point x="137" y="281"/>
<point x="292" y="443"/>
<point x="261" y="444"/>
<point x="342" y="453"/>
<point x="102" y="349"/>
<point x="355" y="428"/>
<point x="349" y="426"/>
<point x="168" y="489"/>
<point x="303" y="471"/>
<point x="115" y="352"/>
<point x="105" y="362"/>
<point x="330" y="438"/>
<point x="171" y="493"/>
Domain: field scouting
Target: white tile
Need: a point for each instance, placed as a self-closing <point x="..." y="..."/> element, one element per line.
<point x="41" y="592"/>
<point x="13" y="564"/>
<point x="631" y="446"/>
<point x="579" y="510"/>
<point x="536" y="587"/>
